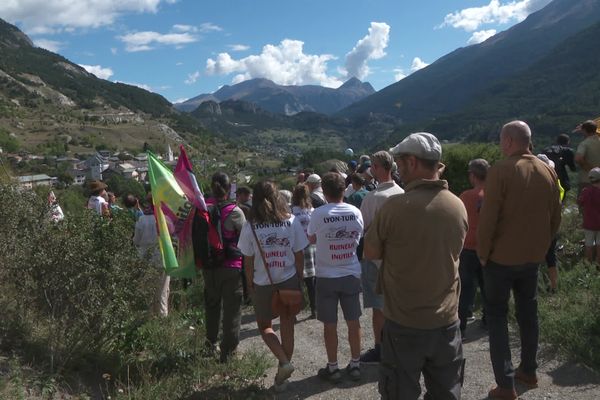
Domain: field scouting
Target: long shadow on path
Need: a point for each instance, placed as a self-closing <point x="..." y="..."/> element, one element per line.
<point x="313" y="385"/>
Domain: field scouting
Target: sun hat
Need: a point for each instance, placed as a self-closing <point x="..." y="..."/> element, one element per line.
<point x="421" y="145"/>
<point x="96" y="185"/>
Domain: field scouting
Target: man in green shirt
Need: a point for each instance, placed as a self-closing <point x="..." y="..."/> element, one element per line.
<point x="358" y="184"/>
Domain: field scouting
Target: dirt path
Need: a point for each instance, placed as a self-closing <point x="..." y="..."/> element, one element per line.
<point x="559" y="379"/>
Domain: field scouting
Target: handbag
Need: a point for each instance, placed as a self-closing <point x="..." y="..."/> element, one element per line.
<point x="284" y="302"/>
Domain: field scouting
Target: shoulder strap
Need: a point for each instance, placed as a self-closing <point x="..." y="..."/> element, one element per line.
<point x="226" y="210"/>
<point x="262" y="253"/>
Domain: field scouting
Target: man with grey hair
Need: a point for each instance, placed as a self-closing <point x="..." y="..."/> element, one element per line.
<point x="316" y="192"/>
<point x="381" y="168"/>
<point x="419" y="235"/>
<point x="470" y="268"/>
<point x="519" y="217"/>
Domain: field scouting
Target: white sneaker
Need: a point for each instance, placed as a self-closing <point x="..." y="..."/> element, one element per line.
<point x="283" y="372"/>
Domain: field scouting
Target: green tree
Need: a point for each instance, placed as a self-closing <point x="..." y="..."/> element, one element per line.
<point x="122" y="186"/>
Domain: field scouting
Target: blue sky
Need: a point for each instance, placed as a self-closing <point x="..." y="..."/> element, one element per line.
<point x="182" y="48"/>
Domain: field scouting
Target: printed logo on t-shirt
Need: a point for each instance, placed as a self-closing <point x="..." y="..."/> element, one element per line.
<point x="274" y="246"/>
<point x="341" y="234"/>
<point x="271" y="239"/>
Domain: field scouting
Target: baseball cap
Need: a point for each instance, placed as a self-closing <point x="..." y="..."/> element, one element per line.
<point x="594" y="174"/>
<point x="352" y="164"/>
<point x="313" y="178"/>
<point x="421" y="144"/>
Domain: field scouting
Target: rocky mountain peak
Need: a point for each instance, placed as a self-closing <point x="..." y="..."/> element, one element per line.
<point x="12" y="37"/>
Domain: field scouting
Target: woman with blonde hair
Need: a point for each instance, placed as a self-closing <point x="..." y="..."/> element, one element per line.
<point x="274" y="239"/>
<point x="302" y="209"/>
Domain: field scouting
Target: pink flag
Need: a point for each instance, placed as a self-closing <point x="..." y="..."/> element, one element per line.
<point x="187" y="180"/>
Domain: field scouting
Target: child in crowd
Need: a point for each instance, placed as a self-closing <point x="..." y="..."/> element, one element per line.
<point x="302" y="209"/>
<point x="589" y="200"/>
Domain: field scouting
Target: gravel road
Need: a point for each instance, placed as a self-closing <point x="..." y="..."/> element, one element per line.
<point x="559" y="379"/>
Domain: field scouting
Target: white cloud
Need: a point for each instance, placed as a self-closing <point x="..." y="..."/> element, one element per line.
<point x="180" y="100"/>
<point x="143" y="41"/>
<point x="192" y="78"/>
<point x="113" y="50"/>
<point x="184" y="28"/>
<point x="481" y="36"/>
<point x="99" y="71"/>
<point x="417" y="64"/>
<point x="210" y="27"/>
<point x="399" y="74"/>
<point x="371" y="47"/>
<point x="238" y="47"/>
<point x="46" y="16"/>
<point x="470" y="19"/>
<point x="50" y="45"/>
<point x="285" y="64"/>
<point x="178" y="63"/>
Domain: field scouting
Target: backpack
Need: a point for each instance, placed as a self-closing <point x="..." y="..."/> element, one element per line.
<point x="210" y="251"/>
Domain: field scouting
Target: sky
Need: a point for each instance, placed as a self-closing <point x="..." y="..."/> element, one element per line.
<point x="183" y="48"/>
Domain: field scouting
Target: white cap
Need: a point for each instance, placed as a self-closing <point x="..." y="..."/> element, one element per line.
<point x="594" y="174"/>
<point x="545" y="159"/>
<point x="422" y="145"/>
<point x="313" y="178"/>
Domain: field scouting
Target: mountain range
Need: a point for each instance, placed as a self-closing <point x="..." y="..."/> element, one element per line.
<point x="543" y="70"/>
<point x="458" y="78"/>
<point x="287" y="100"/>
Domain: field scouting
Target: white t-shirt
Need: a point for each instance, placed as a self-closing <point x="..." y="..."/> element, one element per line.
<point x="146" y="239"/>
<point x="303" y="215"/>
<point x="279" y="242"/>
<point x="376" y="198"/>
<point x="97" y="203"/>
<point x="338" y="227"/>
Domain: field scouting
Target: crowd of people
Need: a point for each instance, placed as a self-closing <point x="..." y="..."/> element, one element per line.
<point x="392" y="230"/>
<point x="424" y="253"/>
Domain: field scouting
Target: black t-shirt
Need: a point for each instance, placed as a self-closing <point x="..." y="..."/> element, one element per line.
<point x="562" y="156"/>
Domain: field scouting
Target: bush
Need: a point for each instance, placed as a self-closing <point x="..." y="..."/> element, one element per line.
<point x="74" y="304"/>
<point x="456" y="157"/>
<point x="570" y="319"/>
<point x="80" y="280"/>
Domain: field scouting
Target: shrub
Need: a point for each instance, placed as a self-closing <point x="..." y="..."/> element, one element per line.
<point x="456" y="157"/>
<point x="570" y="319"/>
<point x="80" y="280"/>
